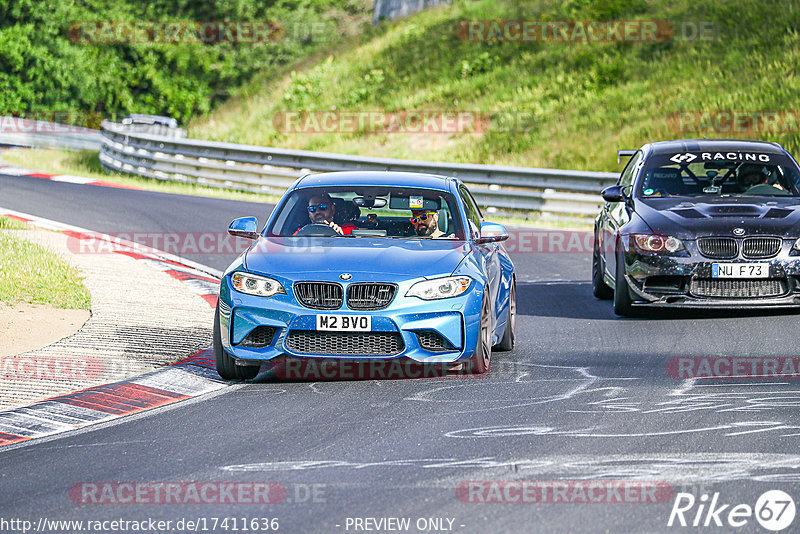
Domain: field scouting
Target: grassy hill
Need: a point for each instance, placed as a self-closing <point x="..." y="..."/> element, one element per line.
<point x="553" y="104"/>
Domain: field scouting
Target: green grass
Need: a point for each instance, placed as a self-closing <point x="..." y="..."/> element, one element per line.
<point x="86" y="164"/>
<point x="570" y="105"/>
<point x="30" y="273"/>
<point x="11" y="224"/>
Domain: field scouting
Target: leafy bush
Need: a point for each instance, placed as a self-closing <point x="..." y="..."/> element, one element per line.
<point x="43" y="69"/>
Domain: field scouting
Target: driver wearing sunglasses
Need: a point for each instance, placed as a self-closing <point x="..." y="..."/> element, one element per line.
<point x="321" y="210"/>
<point x="426" y="223"/>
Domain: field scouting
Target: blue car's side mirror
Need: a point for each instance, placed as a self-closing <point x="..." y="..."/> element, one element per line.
<point x="244" y="227"/>
<point x="491" y="233"/>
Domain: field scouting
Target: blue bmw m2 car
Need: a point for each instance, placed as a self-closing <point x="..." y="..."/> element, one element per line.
<point x="367" y="265"/>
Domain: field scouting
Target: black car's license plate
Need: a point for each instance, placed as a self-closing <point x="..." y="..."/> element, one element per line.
<point x="740" y="270"/>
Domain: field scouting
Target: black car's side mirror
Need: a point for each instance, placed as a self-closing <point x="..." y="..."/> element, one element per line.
<point x="615" y="193"/>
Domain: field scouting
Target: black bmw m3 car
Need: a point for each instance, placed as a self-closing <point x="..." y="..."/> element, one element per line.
<point x="701" y="223"/>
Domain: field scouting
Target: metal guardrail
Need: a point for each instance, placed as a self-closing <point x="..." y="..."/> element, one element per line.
<point x="272" y="170"/>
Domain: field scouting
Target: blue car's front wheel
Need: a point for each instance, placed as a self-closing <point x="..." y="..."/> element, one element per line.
<point x="509" y="335"/>
<point x="225" y="364"/>
<point x="479" y="362"/>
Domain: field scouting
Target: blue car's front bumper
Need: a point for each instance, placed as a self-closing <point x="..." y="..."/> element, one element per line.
<point x="455" y="319"/>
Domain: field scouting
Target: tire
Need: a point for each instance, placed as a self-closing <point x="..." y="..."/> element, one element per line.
<point x="600" y="289"/>
<point x="509" y="336"/>
<point x="225" y="363"/>
<point x="622" y="295"/>
<point x="479" y="362"/>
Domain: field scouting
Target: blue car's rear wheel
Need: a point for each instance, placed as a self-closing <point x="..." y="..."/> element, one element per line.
<point x="509" y="335"/>
<point x="479" y="363"/>
<point x="225" y="363"/>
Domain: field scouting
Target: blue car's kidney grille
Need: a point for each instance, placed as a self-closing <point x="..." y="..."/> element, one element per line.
<point x="718" y="248"/>
<point x="761" y="247"/>
<point x="350" y="343"/>
<point x="370" y="296"/>
<point x="319" y="295"/>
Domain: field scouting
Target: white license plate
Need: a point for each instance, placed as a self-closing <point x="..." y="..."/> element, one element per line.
<point x="740" y="270"/>
<point x="345" y="323"/>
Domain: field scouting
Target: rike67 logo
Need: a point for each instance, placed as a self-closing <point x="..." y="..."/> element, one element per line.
<point x="774" y="510"/>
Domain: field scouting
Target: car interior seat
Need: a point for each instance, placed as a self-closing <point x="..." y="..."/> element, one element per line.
<point x="666" y="180"/>
<point x="444" y="221"/>
<point x="346" y="211"/>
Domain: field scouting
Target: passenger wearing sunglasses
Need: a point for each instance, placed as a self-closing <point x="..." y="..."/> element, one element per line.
<point x="321" y="210"/>
<point x="426" y="223"/>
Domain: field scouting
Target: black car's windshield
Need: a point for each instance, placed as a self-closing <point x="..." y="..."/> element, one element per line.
<point x="383" y="212"/>
<point x="692" y="174"/>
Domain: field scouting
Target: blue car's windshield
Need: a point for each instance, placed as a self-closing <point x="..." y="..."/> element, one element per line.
<point x="385" y="212"/>
<point x="710" y="174"/>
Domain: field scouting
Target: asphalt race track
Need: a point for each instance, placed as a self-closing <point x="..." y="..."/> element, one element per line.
<point x="585" y="396"/>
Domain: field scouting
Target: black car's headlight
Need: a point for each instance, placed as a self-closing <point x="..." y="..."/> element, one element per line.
<point x="440" y="288"/>
<point x="256" y="285"/>
<point x="796" y="245"/>
<point x="657" y="244"/>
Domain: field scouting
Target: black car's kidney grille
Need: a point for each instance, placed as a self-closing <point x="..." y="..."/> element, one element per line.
<point x="734" y="288"/>
<point x="319" y="295"/>
<point x="761" y="247"/>
<point x="370" y="296"/>
<point x="718" y="248"/>
<point x="260" y="336"/>
<point x="352" y="343"/>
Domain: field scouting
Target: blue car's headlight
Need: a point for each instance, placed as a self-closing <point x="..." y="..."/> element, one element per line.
<point x="440" y="288"/>
<point x="256" y="285"/>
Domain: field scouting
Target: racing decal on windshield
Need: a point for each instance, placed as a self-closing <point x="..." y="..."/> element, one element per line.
<point x="688" y="157"/>
<point x="735" y="156"/>
<point x="683" y="158"/>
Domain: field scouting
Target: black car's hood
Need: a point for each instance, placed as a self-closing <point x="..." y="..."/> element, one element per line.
<point x="687" y="218"/>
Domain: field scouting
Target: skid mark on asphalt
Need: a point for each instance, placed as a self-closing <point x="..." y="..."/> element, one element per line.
<point x="583" y="375"/>
<point x="594" y="394"/>
<point x="704" y="468"/>
<point x="509" y="431"/>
